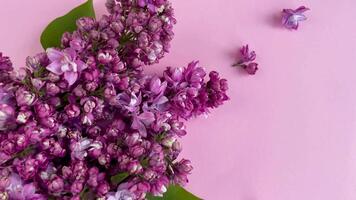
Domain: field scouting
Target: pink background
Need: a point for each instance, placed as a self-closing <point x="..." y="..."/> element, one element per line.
<point x="288" y="133"/>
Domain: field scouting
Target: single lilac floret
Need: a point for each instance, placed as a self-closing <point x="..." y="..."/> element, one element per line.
<point x="247" y="60"/>
<point x="65" y="62"/>
<point x="291" y="18"/>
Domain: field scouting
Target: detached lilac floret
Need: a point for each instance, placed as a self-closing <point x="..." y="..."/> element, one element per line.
<point x="291" y="18"/>
<point x="247" y="60"/>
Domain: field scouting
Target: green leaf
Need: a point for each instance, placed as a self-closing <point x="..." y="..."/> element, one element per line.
<point x="175" y="193"/>
<point x="52" y="35"/>
<point x="118" y="178"/>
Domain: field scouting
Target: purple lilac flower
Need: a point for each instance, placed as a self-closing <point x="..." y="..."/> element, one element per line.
<point x="291" y="18"/>
<point x="247" y="60"/>
<point x="65" y="62"/>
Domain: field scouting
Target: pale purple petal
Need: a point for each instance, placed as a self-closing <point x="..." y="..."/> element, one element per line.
<point x="55" y="67"/>
<point x="54" y="54"/>
<point x="81" y="65"/>
<point x="147" y="118"/>
<point x="70" y="53"/>
<point x="139" y="126"/>
<point x="70" y="77"/>
<point x="301" y="9"/>
<point x="29" y="190"/>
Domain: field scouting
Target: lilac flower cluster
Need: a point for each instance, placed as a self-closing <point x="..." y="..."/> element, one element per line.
<point x="84" y="121"/>
<point x="144" y="29"/>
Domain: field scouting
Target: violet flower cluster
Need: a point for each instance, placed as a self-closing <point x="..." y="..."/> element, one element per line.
<point x="80" y="116"/>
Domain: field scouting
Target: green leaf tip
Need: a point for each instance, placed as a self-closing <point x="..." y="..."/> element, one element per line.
<point x="118" y="178"/>
<point x="52" y="35"/>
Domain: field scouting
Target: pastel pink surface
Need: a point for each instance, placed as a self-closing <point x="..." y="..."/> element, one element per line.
<point x="289" y="132"/>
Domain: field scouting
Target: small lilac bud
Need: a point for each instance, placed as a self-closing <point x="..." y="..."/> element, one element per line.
<point x="54" y="101"/>
<point x="134" y="167"/>
<point x="103" y="189"/>
<point x="37" y="83"/>
<point x="52" y="89"/>
<point x="8" y="147"/>
<point x="24" y="97"/>
<point x="87" y="119"/>
<point x="94" y="131"/>
<point x="118" y="27"/>
<point x="184" y="166"/>
<point x="79" y="91"/>
<point x="77" y="44"/>
<point x="21" y="142"/>
<point x="56" y="185"/>
<point x="23" y="117"/>
<point x="48" y="122"/>
<point x="72" y="111"/>
<point x="104" y="58"/>
<point x="132" y="139"/>
<point x="57" y="150"/>
<point x="85" y="23"/>
<point x="88" y="105"/>
<point x="113" y="149"/>
<point x="149" y="174"/>
<point x="92" y="86"/>
<point x="42" y="160"/>
<point x="76" y="187"/>
<point x="104" y="159"/>
<point x="113" y="43"/>
<point x="66" y="172"/>
<point x="47" y="143"/>
<point x="53" y="77"/>
<point x="251" y="68"/>
<point x="137" y="151"/>
<point x="43" y="110"/>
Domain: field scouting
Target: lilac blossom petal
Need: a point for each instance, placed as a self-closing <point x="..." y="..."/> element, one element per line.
<point x="71" y="77"/>
<point x="55" y="68"/>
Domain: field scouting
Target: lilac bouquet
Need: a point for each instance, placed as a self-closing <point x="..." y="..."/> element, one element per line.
<point x="83" y="121"/>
